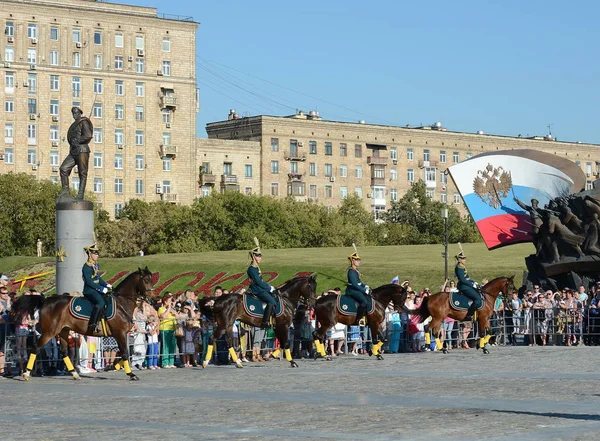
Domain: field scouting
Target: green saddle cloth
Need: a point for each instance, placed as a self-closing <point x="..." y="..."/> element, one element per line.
<point x="81" y="308"/>
<point x="461" y="302"/>
<point x="347" y="305"/>
<point x="255" y="307"/>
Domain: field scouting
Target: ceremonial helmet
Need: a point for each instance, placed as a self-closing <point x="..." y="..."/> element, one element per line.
<point x="92" y="249"/>
<point x="354" y="255"/>
<point x="460" y="255"/>
<point x="256" y="250"/>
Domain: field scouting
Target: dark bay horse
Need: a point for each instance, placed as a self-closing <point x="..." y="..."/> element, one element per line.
<point x="230" y="307"/>
<point x="438" y="307"/>
<point x="327" y="315"/>
<point x="55" y="318"/>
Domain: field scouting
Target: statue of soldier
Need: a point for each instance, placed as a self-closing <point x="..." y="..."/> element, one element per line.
<point x="79" y="135"/>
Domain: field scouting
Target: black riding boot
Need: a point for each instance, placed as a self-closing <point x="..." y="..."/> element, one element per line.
<point x="470" y="312"/>
<point x="94" y="316"/>
<point x="360" y="312"/>
<point x="267" y="317"/>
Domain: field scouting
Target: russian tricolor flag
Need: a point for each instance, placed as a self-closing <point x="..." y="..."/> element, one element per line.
<point x="489" y="182"/>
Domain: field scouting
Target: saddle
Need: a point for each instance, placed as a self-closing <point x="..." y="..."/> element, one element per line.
<point x="460" y="302"/>
<point x="81" y="308"/>
<point x="255" y="307"/>
<point x="347" y="305"/>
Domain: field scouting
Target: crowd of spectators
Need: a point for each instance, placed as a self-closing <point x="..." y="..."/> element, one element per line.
<point x="171" y="332"/>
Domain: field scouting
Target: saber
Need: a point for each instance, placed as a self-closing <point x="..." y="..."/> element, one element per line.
<point x="521" y="231"/>
<point x="332" y="277"/>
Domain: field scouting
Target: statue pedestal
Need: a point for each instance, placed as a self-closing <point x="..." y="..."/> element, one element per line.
<point x="74" y="231"/>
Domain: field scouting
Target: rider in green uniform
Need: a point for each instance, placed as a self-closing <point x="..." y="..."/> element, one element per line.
<point x="93" y="285"/>
<point x="466" y="285"/>
<point x="355" y="288"/>
<point x="259" y="287"/>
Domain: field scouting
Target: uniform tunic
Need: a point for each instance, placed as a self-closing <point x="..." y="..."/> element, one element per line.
<point x="355" y="288"/>
<point x="465" y="284"/>
<point x="93" y="285"/>
<point x="259" y="287"/>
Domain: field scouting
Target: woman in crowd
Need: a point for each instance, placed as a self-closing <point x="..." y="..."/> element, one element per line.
<point x="168" y="324"/>
<point x="139" y="338"/>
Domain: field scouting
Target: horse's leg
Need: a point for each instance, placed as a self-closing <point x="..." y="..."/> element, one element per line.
<point x="377" y="344"/>
<point x="211" y="346"/>
<point x="483" y="324"/>
<point x="324" y="323"/>
<point x="64" y="351"/>
<point x="44" y="338"/>
<point x="281" y="332"/>
<point x="121" y="338"/>
<point x="232" y="354"/>
<point x="434" y="328"/>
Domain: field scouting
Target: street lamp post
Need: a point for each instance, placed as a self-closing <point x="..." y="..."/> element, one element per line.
<point x="445" y="216"/>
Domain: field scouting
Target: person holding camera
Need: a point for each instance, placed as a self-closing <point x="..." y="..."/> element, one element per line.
<point x="93" y="286"/>
<point x="168" y="324"/>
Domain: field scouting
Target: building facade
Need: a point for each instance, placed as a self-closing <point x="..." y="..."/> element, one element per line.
<point x="131" y="71"/>
<point x="309" y="158"/>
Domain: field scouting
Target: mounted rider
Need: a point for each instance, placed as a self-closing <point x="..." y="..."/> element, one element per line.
<point x="355" y="288"/>
<point x="258" y="286"/>
<point x="466" y="285"/>
<point x="93" y="285"/>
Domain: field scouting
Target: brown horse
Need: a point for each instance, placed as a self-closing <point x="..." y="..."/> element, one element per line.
<point x="55" y="318"/>
<point x="327" y="315"/>
<point x="438" y="307"/>
<point x="226" y="309"/>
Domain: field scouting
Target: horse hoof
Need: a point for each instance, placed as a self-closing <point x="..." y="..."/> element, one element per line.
<point x="204" y="364"/>
<point x="26" y="376"/>
<point x="76" y="376"/>
<point x="293" y="364"/>
<point x="133" y="377"/>
<point x="239" y="365"/>
<point x="370" y="352"/>
<point x="445" y="351"/>
<point x="379" y="357"/>
<point x="486" y="351"/>
<point x="328" y="358"/>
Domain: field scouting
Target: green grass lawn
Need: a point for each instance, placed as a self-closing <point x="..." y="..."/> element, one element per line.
<point x="423" y="265"/>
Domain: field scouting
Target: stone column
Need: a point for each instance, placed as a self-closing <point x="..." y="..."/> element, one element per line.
<point x="74" y="231"/>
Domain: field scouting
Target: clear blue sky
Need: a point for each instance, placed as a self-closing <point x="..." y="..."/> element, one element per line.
<point x="504" y="67"/>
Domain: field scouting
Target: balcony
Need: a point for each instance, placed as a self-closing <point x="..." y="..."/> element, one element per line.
<point x="207" y="179"/>
<point x="423" y="164"/>
<point x="294" y="156"/>
<point x="229" y="183"/>
<point x="169" y="197"/>
<point x="168" y="150"/>
<point x="377" y="160"/>
<point x="168" y="101"/>
<point x="377" y="181"/>
<point x="295" y="177"/>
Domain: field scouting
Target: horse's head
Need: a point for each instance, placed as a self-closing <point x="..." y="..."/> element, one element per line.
<point x="136" y="285"/>
<point x="305" y="287"/>
<point x="500" y="286"/>
<point x="391" y="292"/>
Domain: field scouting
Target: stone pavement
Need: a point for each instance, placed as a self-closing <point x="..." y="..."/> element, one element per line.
<point x="515" y="393"/>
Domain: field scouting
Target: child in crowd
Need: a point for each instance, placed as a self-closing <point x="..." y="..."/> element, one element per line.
<point x="190" y="332"/>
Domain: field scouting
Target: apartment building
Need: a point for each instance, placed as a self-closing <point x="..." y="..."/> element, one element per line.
<point x="310" y="158"/>
<point x="129" y="69"/>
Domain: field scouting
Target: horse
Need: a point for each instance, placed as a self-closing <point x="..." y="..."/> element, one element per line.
<point x="227" y="308"/>
<point x="55" y="319"/>
<point x="327" y="315"/>
<point x="438" y="307"/>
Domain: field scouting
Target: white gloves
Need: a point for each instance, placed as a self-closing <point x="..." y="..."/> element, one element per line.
<point x="109" y="286"/>
<point x="104" y="290"/>
<point x="475" y="284"/>
<point x="367" y="289"/>
<point x="272" y="289"/>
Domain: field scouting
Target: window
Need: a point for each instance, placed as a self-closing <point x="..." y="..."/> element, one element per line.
<point x="54" y="82"/>
<point x="76" y="86"/>
<point x="54" y="134"/>
<point x="31" y="83"/>
<point x="167" y="139"/>
<point x="97" y="160"/>
<point x="312" y="191"/>
<point x="139" y="113"/>
<point x="442" y="156"/>
<point x="98" y="135"/>
<point x="589" y="185"/>
<point x="274" y="167"/>
<point x="455" y="159"/>
<point x="97" y="61"/>
<point x="9" y="133"/>
<point x="119" y="136"/>
<point x="139" y="42"/>
<point x="294" y="167"/>
<point x="9" y="29"/>
<point x="166" y="44"/>
<point x="139" y="137"/>
<point x="312" y="169"/>
<point x="118" y="161"/>
<point x="343" y="171"/>
<point x="31" y="30"/>
<point x="443" y="177"/>
<point x="379" y="172"/>
<point x="166" y="116"/>
<point x="328" y="149"/>
<point x="410" y="175"/>
<point x="443" y="197"/>
<point x="429" y="193"/>
<point x="9" y="82"/>
<point x="97" y="37"/>
<point x="139" y="89"/>
<point x="343" y="192"/>
<point x="393" y="194"/>
<point x="139" y="65"/>
<point x="358" y="171"/>
<point x="9" y="155"/>
<point x="118" y="209"/>
<point x="469" y="155"/>
<point x="53" y="58"/>
<point x="274" y="144"/>
<point x="343" y="149"/>
<point x="118" y="185"/>
<point x="119" y="112"/>
<point x="118" y="40"/>
<point x="393" y="174"/>
<point x="76" y="35"/>
<point x="293" y="148"/>
<point x="274" y="189"/>
<point x="76" y="59"/>
<point x="32" y="56"/>
<point x="358" y="151"/>
<point x="75" y="183"/>
<point x="410" y="154"/>
<point x="312" y="147"/>
<point x="31" y="105"/>
<point x="31" y="157"/>
<point x="31" y="134"/>
<point x="166" y="68"/>
<point x="97" y="110"/>
<point x="98" y="85"/>
<point x="54" y="33"/>
<point x="9" y="106"/>
<point x="139" y="162"/>
<point x="54" y="107"/>
<point x="248" y="170"/>
<point x="328" y="191"/>
<point x="430" y="174"/>
<point x="54" y="181"/>
<point x="9" y="54"/>
<point x="118" y="62"/>
<point x="166" y="162"/>
<point x="119" y="89"/>
<point x="97" y="185"/>
<point x="139" y="186"/>
<point x="328" y="170"/>
<point x="393" y="154"/>
<point x="456" y="199"/>
<point x="426" y="155"/>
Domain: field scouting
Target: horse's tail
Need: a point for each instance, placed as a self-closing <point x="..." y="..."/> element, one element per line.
<point x="26" y="305"/>
<point x="422" y="311"/>
<point x="206" y="305"/>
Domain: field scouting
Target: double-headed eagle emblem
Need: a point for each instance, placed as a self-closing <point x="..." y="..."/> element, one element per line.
<point x="492" y="184"/>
